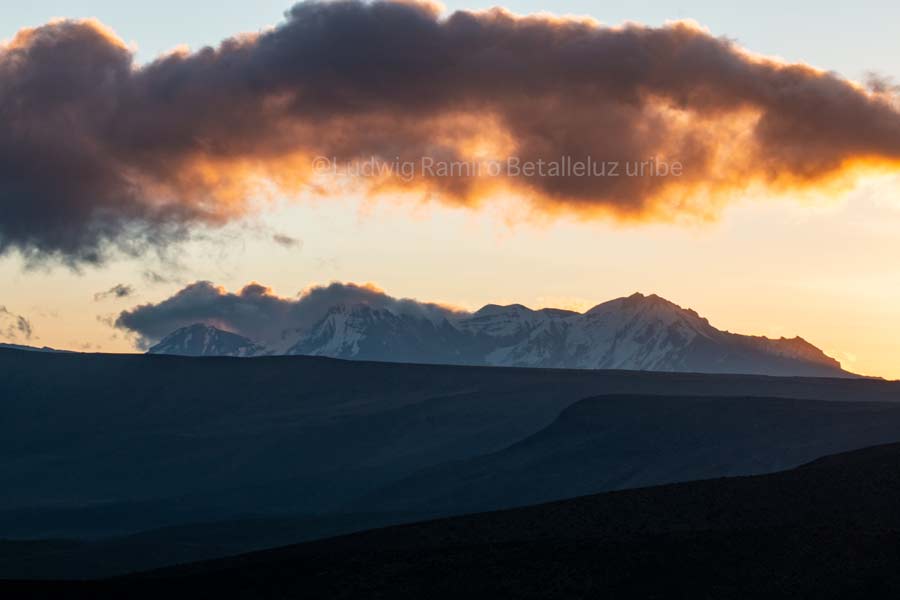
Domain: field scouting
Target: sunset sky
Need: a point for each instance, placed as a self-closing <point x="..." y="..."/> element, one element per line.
<point x="813" y="254"/>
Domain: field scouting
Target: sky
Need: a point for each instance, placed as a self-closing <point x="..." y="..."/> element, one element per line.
<point x="821" y="264"/>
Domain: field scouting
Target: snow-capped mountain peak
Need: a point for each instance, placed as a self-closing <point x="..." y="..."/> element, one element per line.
<point x="200" y="339"/>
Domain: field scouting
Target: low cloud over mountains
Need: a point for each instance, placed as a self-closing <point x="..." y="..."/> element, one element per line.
<point x="257" y="313"/>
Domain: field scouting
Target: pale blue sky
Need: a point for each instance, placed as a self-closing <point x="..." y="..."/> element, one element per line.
<point x="848" y="37"/>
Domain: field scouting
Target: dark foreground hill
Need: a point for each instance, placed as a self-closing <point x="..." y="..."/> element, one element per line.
<point x="112" y="464"/>
<point x="829" y="529"/>
<point x="597" y="444"/>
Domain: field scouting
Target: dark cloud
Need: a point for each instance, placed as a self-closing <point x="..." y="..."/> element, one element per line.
<point x="98" y="153"/>
<point x="256" y="312"/>
<point x="287" y="241"/>
<point x="13" y="326"/>
<point x="120" y="290"/>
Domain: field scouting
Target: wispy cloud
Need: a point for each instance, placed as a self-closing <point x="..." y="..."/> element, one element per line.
<point x="13" y="326"/>
<point x="120" y="290"/>
<point x="287" y="241"/>
<point x="154" y="277"/>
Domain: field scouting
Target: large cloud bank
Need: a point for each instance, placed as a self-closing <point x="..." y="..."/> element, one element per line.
<point x="97" y="153"/>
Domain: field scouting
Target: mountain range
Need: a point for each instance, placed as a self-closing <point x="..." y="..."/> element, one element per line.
<point x="638" y="332"/>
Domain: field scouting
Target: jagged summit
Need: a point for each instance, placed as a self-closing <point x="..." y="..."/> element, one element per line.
<point x="493" y="309"/>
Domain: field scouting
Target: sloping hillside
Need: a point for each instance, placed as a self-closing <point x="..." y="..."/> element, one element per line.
<point x="629" y="441"/>
<point x="101" y="447"/>
<point x="829" y="529"/>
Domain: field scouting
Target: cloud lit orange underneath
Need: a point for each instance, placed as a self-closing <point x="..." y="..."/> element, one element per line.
<point x="108" y="153"/>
